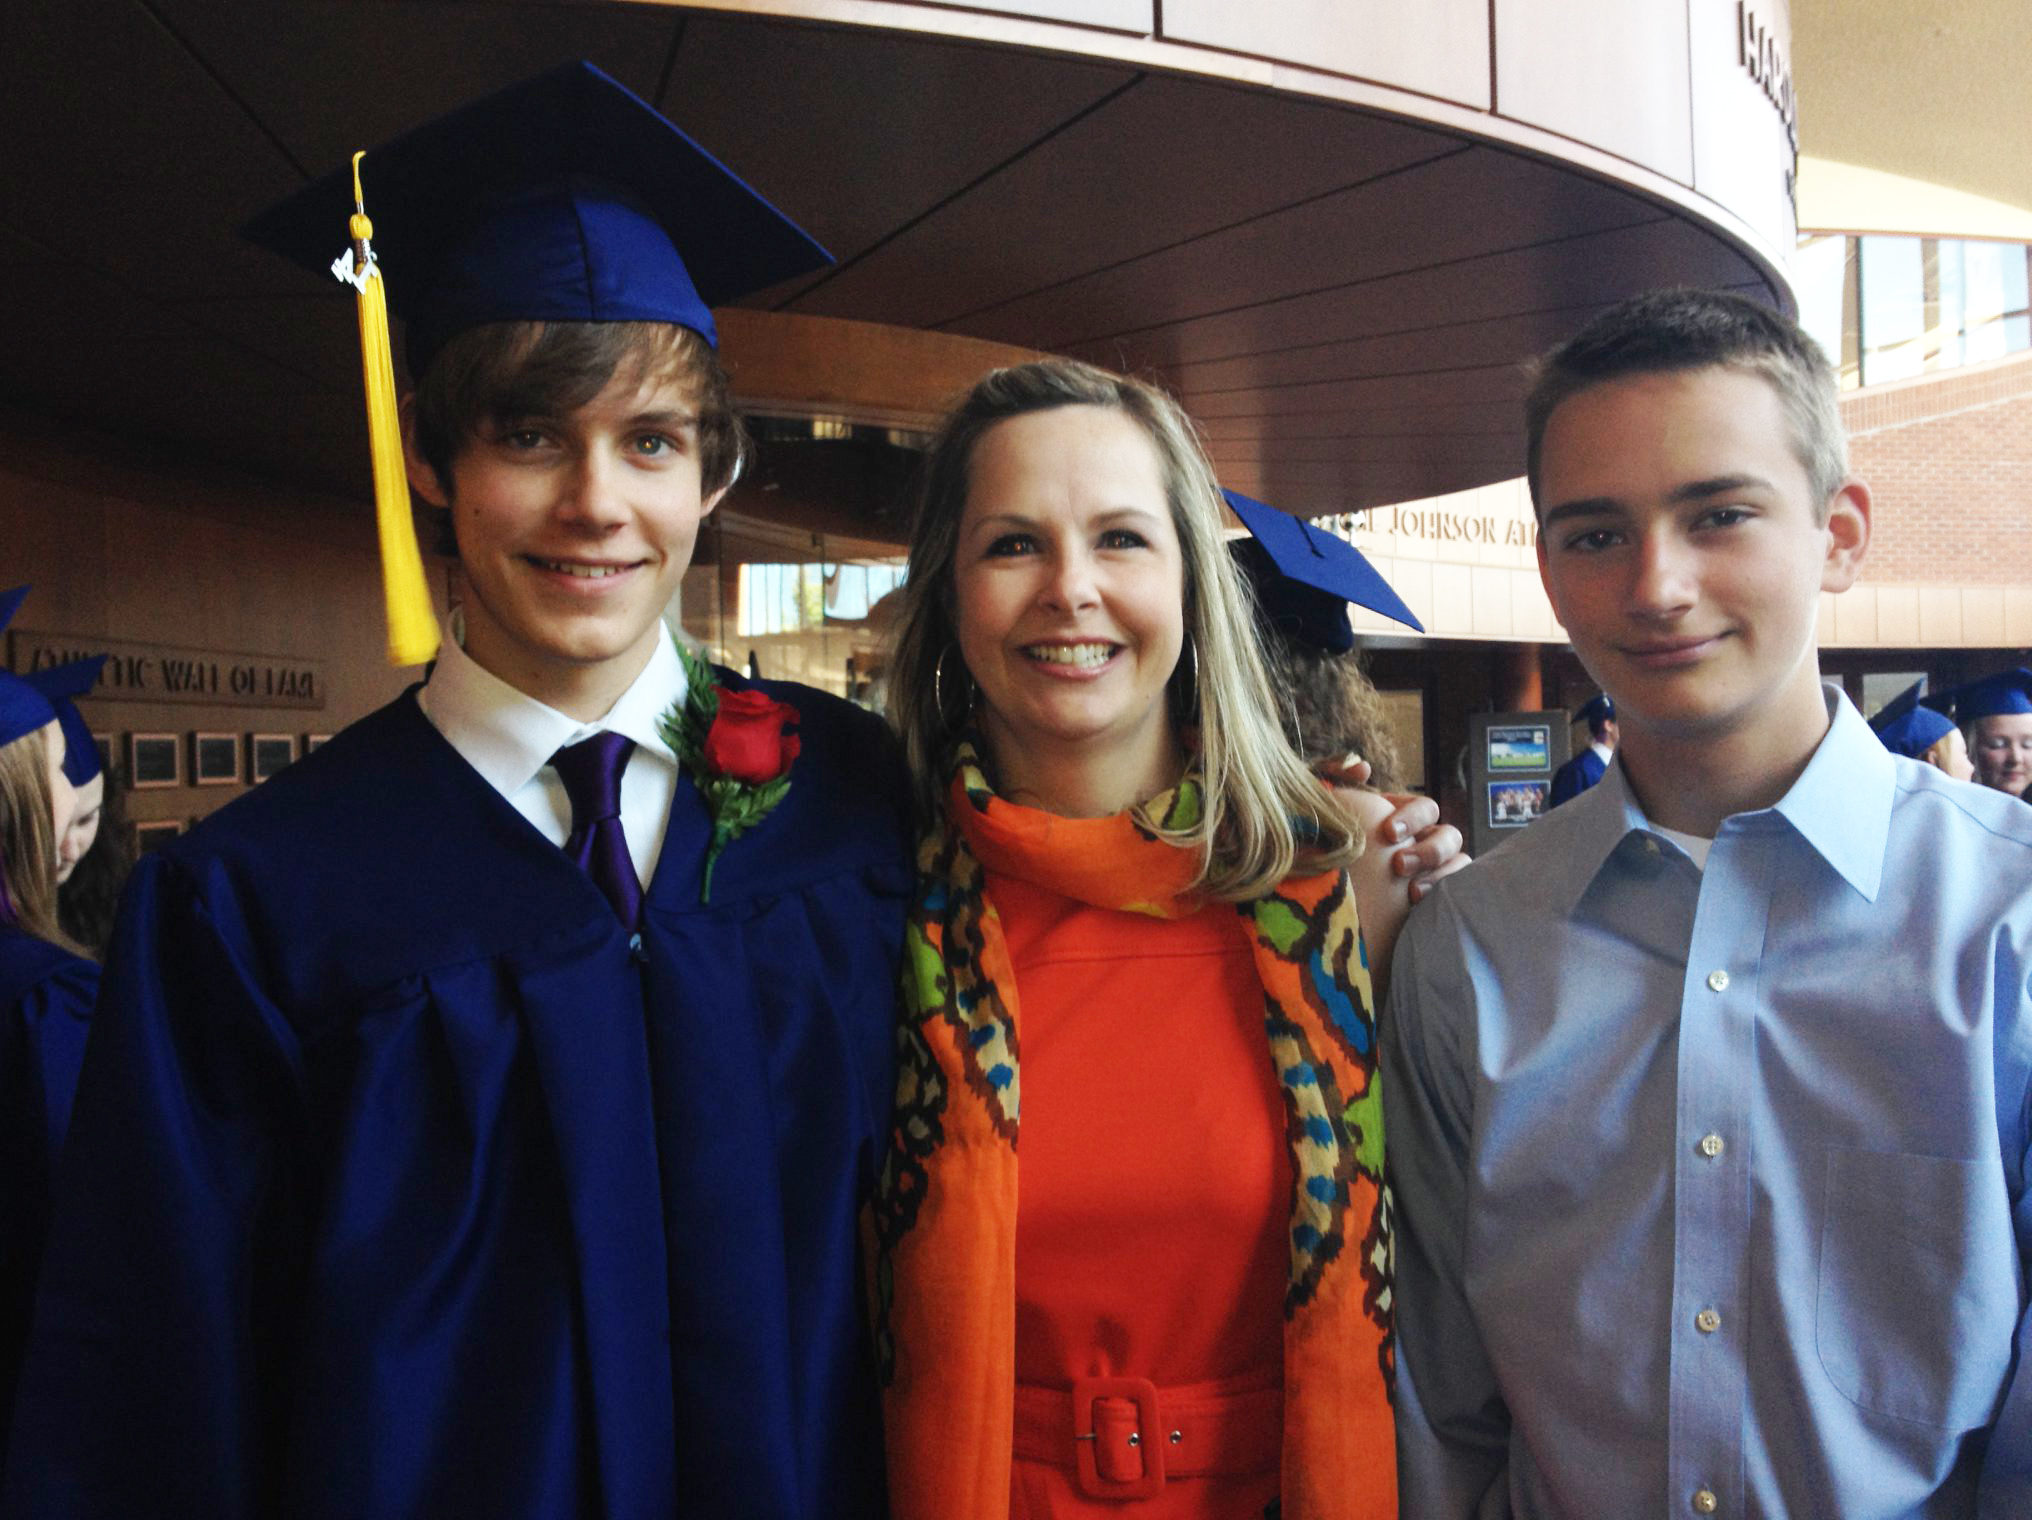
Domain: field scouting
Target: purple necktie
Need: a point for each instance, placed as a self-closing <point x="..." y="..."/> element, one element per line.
<point x="591" y="773"/>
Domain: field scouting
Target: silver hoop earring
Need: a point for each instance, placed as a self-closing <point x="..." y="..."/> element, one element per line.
<point x="938" y="687"/>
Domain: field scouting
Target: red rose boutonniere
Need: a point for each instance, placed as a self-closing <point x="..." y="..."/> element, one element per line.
<point x="738" y="747"/>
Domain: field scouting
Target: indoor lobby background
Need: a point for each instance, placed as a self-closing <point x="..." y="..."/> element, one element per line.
<point x="1336" y="231"/>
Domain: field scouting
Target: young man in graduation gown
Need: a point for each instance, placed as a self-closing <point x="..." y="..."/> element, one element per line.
<point x="423" y="1167"/>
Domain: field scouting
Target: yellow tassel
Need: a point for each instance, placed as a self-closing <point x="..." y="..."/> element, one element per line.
<point x="412" y="622"/>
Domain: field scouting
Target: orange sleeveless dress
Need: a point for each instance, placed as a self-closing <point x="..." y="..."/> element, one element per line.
<point x="1150" y="1224"/>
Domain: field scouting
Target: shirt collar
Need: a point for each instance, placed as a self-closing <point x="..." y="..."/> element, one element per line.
<point x="1599" y="819"/>
<point x="1841" y="803"/>
<point x="508" y="736"/>
<point x="1840" y="806"/>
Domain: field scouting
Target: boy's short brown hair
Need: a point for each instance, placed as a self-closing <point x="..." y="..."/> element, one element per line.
<point x="502" y="371"/>
<point x="1668" y="331"/>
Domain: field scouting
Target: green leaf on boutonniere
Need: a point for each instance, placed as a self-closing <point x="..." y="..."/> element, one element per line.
<point x="684" y="725"/>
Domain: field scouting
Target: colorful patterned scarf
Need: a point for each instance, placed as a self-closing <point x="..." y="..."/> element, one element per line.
<point x="944" y="1219"/>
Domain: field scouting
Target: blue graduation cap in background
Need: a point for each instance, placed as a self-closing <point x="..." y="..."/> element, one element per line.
<point x="63" y="685"/>
<point x="562" y="199"/>
<point x="1909" y="726"/>
<point x="2006" y="692"/>
<point x="1597" y="709"/>
<point x="23" y="709"/>
<point x="1304" y="579"/>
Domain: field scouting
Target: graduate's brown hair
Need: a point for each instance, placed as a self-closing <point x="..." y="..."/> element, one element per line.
<point x="491" y="375"/>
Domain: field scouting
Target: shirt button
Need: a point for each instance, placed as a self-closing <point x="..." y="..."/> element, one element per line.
<point x="1719" y="981"/>
<point x="1707" y="1322"/>
<point x="1704" y="1501"/>
<point x="1711" y="1146"/>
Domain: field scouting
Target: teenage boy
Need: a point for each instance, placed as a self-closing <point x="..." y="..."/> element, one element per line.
<point x="1708" y="1095"/>
<point x="422" y="1167"/>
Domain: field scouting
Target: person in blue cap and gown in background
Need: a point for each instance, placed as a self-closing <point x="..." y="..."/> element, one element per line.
<point x="1591" y="764"/>
<point x="1303" y="579"/>
<point x="1996" y="718"/>
<point x="1910" y="728"/>
<point x="482" y="1108"/>
<point x="46" y="992"/>
<point x="86" y="915"/>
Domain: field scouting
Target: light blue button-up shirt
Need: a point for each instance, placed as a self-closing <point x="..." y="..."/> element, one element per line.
<point x="1711" y="1185"/>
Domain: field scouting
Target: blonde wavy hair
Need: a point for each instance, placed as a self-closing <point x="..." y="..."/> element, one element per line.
<point x="28" y="857"/>
<point x="1264" y="812"/>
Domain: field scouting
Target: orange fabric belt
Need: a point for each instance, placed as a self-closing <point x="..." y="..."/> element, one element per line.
<point x="1124" y="1436"/>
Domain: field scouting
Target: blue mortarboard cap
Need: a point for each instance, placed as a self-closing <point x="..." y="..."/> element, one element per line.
<point x="1304" y="578"/>
<point x="565" y="198"/>
<point x="1597" y="709"/>
<point x="63" y="685"/>
<point x="2008" y="691"/>
<point x="23" y="709"/>
<point x="1907" y="726"/>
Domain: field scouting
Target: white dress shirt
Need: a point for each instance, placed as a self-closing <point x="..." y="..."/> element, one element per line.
<point x="509" y="737"/>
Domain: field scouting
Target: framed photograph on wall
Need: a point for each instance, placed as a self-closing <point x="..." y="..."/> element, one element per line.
<point x="154" y="760"/>
<point x="153" y="835"/>
<point x="315" y="741"/>
<point x="215" y="759"/>
<point x="108" y="745"/>
<point x="1512" y="804"/>
<point x="267" y="754"/>
<point x="1520" y="747"/>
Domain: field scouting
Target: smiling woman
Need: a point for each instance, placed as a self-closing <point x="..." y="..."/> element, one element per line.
<point x="1124" y="857"/>
<point x="1002" y="464"/>
<point x="1069" y="585"/>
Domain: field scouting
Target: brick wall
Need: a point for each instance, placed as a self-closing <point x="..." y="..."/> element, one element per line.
<point x="1949" y="463"/>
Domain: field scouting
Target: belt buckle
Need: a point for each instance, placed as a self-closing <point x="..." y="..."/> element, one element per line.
<point x="1086" y="1393"/>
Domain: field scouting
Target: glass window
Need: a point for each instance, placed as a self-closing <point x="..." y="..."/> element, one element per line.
<point x="1880" y="686"/>
<point x="1947" y="303"/>
<point x="753" y="608"/>
<point x="1818" y="275"/>
<point x="1894" y="309"/>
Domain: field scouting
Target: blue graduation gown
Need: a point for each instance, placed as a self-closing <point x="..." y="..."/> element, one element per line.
<point x="402" y="1184"/>
<point x="1576" y="776"/>
<point x="45" y="1002"/>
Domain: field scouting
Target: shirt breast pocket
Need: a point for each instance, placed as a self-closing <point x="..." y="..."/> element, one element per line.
<point x="1918" y="1291"/>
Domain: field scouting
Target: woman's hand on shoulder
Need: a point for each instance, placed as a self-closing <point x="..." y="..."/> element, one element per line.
<point x="1406" y="849"/>
<point x="1425" y="850"/>
<point x="1405" y="830"/>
